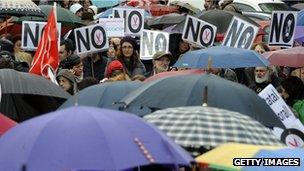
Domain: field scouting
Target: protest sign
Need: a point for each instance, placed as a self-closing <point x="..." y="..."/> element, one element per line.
<point x="113" y="26"/>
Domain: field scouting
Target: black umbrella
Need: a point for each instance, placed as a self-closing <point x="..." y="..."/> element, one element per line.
<point x="165" y="20"/>
<point x="19" y="8"/>
<point x="27" y="95"/>
<point x="298" y="6"/>
<point x="220" y="18"/>
<point x="189" y="90"/>
<point x="105" y="95"/>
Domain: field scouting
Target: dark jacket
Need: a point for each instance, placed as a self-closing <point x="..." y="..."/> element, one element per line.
<point x="98" y="68"/>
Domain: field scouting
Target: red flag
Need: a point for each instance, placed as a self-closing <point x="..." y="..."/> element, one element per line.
<point x="47" y="55"/>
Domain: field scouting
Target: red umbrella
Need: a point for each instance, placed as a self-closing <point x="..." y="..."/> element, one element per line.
<point x="293" y="57"/>
<point x="173" y="73"/>
<point x="5" y="124"/>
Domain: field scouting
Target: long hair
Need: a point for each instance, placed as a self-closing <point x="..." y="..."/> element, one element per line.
<point x="134" y="60"/>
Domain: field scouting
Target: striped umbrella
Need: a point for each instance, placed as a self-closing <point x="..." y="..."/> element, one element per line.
<point x="209" y="127"/>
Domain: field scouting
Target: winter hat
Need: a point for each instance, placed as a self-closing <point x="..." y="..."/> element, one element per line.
<point x="114" y="65"/>
<point x="161" y="54"/>
<point x="71" y="61"/>
<point x="130" y="40"/>
<point x="6" y="45"/>
<point x="94" y="8"/>
<point x="75" y="7"/>
<point x="66" y="74"/>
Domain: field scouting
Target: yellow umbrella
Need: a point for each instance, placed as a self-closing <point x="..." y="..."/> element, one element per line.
<point x="222" y="156"/>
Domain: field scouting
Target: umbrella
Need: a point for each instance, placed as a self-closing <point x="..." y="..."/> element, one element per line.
<point x="188" y="90"/>
<point x="300" y="18"/>
<point x="64" y="16"/>
<point x="220" y="18"/>
<point x="105" y="4"/>
<point x="222" y="57"/>
<point x="222" y="156"/>
<point x="109" y="12"/>
<point x="298" y="6"/>
<point x="27" y="95"/>
<point x="5" y="124"/>
<point x="293" y="57"/>
<point x="186" y="5"/>
<point x="198" y="126"/>
<point x="105" y="95"/>
<point x="279" y="153"/>
<point x="173" y="73"/>
<point x="165" y="20"/>
<point x="299" y="35"/>
<point x="19" y="8"/>
<point x="87" y="138"/>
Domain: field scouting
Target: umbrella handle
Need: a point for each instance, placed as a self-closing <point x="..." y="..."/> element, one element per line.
<point x="205" y="97"/>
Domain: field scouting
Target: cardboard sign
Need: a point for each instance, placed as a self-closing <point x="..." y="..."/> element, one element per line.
<point x="152" y="42"/>
<point x="199" y="32"/>
<point x="32" y="32"/>
<point x="240" y="34"/>
<point x="133" y="20"/>
<point x="91" y="38"/>
<point x="282" y="29"/>
<point x="114" y="26"/>
<point x="278" y="105"/>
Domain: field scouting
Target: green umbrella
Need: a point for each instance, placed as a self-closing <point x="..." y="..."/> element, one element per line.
<point x="64" y="16"/>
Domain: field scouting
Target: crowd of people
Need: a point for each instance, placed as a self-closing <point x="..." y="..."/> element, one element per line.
<point x="122" y="61"/>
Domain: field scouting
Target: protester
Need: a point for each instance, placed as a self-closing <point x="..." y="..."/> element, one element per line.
<point x="228" y="5"/>
<point x="92" y="9"/>
<point x="227" y="73"/>
<point x="298" y="73"/>
<point x="74" y="63"/>
<point x="116" y="72"/>
<point x="77" y="9"/>
<point x="66" y="80"/>
<point x="292" y="91"/>
<point x="210" y="5"/>
<point x="66" y="49"/>
<point x="87" y="82"/>
<point x="86" y="4"/>
<point x="95" y="66"/>
<point x="161" y="61"/>
<point x="129" y="57"/>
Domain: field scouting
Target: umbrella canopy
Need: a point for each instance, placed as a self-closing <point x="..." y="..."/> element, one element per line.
<point x="189" y="90"/>
<point x="64" y="16"/>
<point x="105" y="4"/>
<point x="222" y="156"/>
<point x="19" y="8"/>
<point x="298" y="6"/>
<point x="165" y="20"/>
<point x="198" y="126"/>
<point x="5" y="124"/>
<point x="279" y="153"/>
<point x="220" y="18"/>
<point x="300" y="18"/>
<point x="26" y="95"/>
<point x="293" y="57"/>
<point x="186" y="5"/>
<point x="173" y="73"/>
<point x="87" y="138"/>
<point x="299" y="35"/>
<point x="222" y="57"/>
<point x="105" y="95"/>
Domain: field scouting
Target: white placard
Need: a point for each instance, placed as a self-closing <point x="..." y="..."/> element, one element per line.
<point x="240" y="34"/>
<point x="282" y="28"/>
<point x="199" y="32"/>
<point x="91" y="39"/>
<point x="114" y="26"/>
<point x="152" y="42"/>
<point x="133" y="20"/>
<point x="32" y="32"/>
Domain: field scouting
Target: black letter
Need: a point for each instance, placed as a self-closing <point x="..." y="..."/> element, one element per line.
<point x="288" y="28"/>
<point x="233" y="33"/>
<point x="28" y="31"/>
<point x="194" y="32"/>
<point x="276" y="27"/>
<point x="136" y="30"/>
<point x="85" y="42"/>
<point x="104" y="38"/>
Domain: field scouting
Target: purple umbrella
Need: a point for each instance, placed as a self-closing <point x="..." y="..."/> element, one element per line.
<point x="87" y="138"/>
<point x="299" y="35"/>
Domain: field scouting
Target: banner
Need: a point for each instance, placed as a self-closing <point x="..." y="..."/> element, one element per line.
<point x="152" y="42"/>
<point x="199" y="32"/>
<point x="32" y="33"/>
<point x="282" y="28"/>
<point x="114" y="26"/>
<point x="240" y="34"/>
<point x="133" y="20"/>
<point x="90" y="39"/>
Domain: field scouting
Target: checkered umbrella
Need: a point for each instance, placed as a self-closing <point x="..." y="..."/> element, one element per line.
<point x="209" y="127"/>
<point x="19" y="8"/>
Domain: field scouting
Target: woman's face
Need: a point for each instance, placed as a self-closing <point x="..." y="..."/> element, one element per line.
<point x="17" y="47"/>
<point x="260" y="49"/>
<point x="127" y="49"/>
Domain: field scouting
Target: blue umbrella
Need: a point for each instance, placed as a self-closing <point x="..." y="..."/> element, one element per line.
<point x="105" y="3"/>
<point x="222" y="57"/>
<point x="300" y="19"/>
<point x="281" y="153"/>
<point x="109" y="12"/>
<point x="87" y="138"/>
<point x="105" y="95"/>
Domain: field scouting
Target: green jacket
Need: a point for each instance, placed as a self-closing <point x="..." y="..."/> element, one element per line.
<point x="299" y="107"/>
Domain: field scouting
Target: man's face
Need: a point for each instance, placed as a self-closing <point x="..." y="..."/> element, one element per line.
<point x="78" y="69"/>
<point x="208" y="3"/>
<point x="63" y="54"/>
<point x="64" y="83"/>
<point x="261" y="74"/>
<point x="162" y="64"/>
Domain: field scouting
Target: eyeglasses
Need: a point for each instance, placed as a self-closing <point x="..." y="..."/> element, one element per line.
<point x="127" y="47"/>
